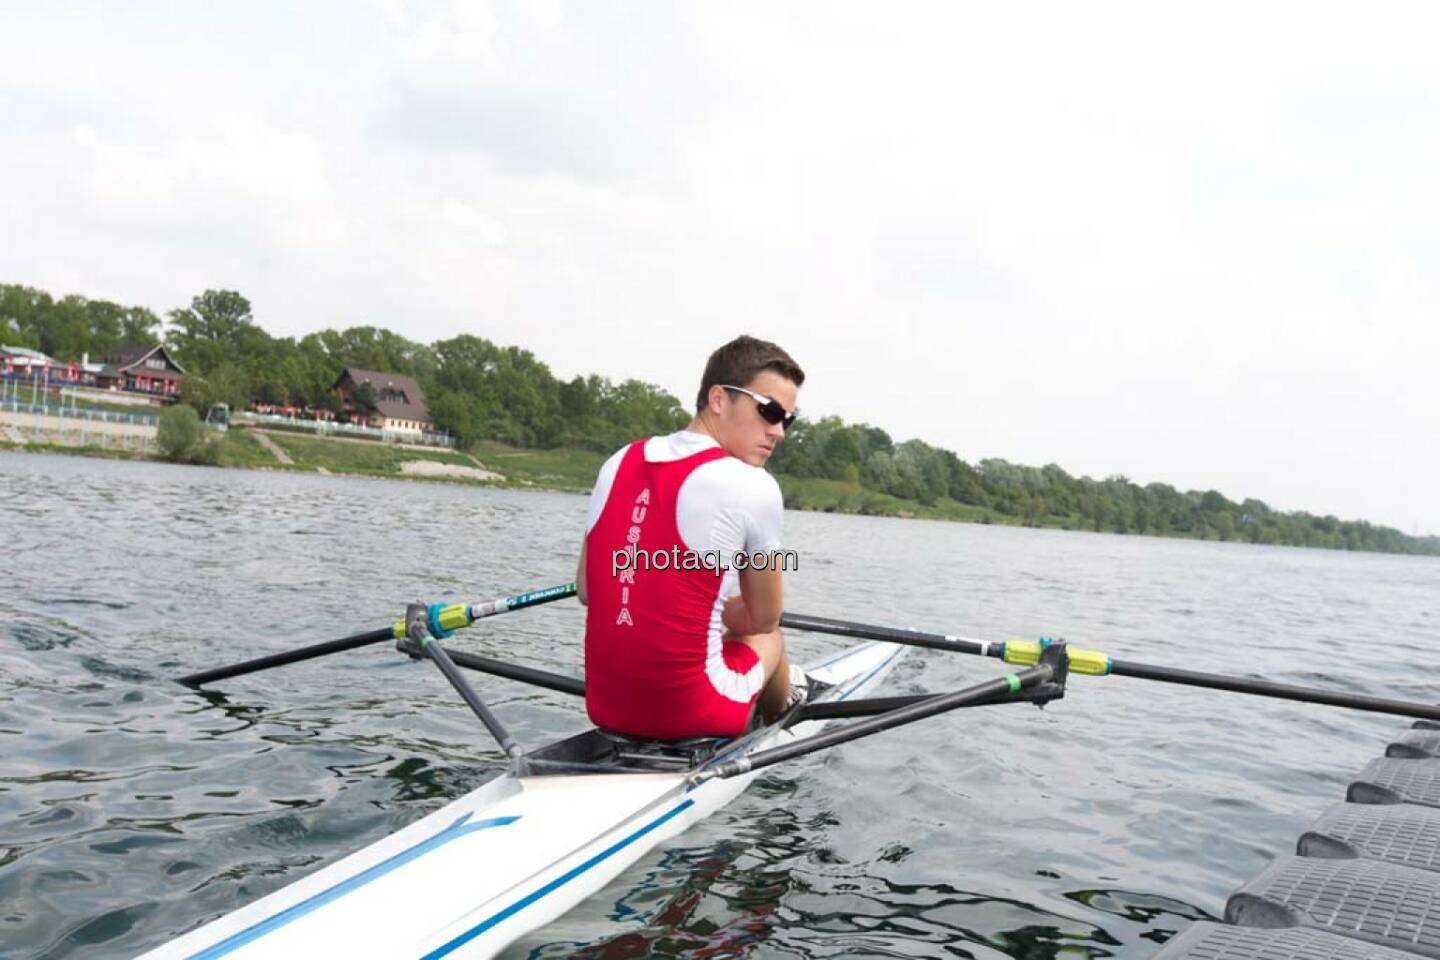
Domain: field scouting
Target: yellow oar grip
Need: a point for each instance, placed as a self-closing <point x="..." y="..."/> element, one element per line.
<point x="1027" y="653"/>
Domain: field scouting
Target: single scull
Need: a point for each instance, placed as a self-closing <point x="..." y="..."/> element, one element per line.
<point x="517" y="852"/>
<point x="567" y="818"/>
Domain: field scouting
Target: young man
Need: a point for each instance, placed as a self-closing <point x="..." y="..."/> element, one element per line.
<point x="675" y="653"/>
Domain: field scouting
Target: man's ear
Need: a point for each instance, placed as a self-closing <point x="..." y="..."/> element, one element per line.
<point x="714" y="400"/>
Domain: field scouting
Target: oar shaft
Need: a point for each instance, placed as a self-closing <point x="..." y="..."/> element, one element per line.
<point x="1098" y="664"/>
<point x="1269" y="688"/>
<point x="520" y="601"/>
<point x="510" y="671"/>
<point x="463" y="615"/>
<point x="868" y="631"/>
<point x="289" y="656"/>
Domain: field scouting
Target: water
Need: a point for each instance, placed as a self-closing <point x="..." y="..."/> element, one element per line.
<point x="132" y="809"/>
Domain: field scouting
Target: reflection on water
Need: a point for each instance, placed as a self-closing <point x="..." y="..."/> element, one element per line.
<point x="771" y="890"/>
<point x="133" y="809"/>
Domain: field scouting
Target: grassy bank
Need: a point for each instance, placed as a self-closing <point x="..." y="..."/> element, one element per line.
<point x="364" y="457"/>
<point x="572" y="470"/>
<point x="838" y="496"/>
<point x="560" y="469"/>
<point x="568" y="470"/>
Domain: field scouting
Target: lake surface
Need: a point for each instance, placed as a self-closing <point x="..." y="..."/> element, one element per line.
<point x="132" y="809"/>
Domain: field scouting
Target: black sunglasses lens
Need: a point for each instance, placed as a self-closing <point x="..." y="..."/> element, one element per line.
<point x="772" y="412"/>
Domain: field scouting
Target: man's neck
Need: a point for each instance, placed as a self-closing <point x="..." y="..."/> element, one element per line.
<point x="698" y="425"/>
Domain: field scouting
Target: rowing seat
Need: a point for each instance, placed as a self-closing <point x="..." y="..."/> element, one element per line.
<point x="604" y="751"/>
<point x="661" y="754"/>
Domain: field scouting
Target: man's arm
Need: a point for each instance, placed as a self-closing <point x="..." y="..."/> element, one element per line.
<point x="758" y="608"/>
<point x="580" y="576"/>
<point x="760" y="508"/>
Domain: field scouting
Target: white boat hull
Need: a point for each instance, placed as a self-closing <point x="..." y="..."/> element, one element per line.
<point x="501" y="861"/>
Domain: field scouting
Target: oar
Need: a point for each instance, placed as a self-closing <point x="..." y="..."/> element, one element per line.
<point x="1095" y="663"/>
<point x="446" y="618"/>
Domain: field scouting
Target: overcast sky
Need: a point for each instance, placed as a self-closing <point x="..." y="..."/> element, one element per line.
<point x="1196" y="244"/>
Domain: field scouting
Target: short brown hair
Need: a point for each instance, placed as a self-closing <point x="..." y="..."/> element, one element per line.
<point x="740" y="361"/>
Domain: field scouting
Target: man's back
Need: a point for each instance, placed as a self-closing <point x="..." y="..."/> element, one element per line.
<point x="664" y="511"/>
<point x="671" y="649"/>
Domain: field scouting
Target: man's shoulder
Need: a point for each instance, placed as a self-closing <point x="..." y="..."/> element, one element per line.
<point x="677" y="446"/>
<point x="738" y="479"/>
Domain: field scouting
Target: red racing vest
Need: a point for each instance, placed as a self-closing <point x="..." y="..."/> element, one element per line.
<point x="646" y="630"/>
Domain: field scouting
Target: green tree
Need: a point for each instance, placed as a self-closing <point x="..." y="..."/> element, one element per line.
<point x="216" y="328"/>
<point x="226" y="383"/>
<point x="182" y="437"/>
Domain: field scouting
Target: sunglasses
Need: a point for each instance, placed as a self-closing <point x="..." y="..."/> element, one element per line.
<point x="770" y="410"/>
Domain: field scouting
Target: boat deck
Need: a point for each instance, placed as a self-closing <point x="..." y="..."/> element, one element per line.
<point x="1364" y="883"/>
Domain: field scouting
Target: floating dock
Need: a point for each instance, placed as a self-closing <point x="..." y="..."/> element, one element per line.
<point x="1363" y="884"/>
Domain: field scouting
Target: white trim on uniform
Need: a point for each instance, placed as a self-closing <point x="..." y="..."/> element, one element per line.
<point x="740" y="687"/>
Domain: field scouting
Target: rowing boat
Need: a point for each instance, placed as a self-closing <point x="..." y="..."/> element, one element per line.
<point x="566" y="819"/>
<point x="517" y="852"/>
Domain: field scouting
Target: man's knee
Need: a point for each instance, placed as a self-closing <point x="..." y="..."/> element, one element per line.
<point x="767" y="646"/>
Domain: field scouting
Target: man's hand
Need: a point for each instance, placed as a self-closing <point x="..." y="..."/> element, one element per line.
<point x="736" y="617"/>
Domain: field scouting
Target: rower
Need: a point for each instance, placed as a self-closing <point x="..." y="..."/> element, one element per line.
<point x="690" y="652"/>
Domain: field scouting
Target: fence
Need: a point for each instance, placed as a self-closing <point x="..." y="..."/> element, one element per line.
<point x="327" y="428"/>
<point x="68" y="427"/>
<point x="13" y="405"/>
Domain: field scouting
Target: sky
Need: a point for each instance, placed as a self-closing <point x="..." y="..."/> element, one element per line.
<point x="1194" y="244"/>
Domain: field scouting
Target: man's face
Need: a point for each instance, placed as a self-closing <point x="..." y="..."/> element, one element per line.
<point x="742" y="431"/>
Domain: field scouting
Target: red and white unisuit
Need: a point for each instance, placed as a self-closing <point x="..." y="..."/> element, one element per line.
<point x="656" y="660"/>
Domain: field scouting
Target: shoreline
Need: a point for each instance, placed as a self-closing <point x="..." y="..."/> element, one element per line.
<point x="103" y="453"/>
<point x="795" y="489"/>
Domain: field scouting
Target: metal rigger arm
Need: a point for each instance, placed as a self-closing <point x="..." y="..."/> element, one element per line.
<point x="1039" y="684"/>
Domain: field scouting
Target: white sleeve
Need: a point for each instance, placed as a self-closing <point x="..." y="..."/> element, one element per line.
<point x="727" y="505"/>
<point x="603" y="481"/>
<point x="762" y="508"/>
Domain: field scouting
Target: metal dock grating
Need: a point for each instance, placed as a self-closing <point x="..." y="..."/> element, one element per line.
<point x="1365" y="884"/>
<point x="1392" y="906"/>
<point x="1397" y="780"/>
<point x="1414" y="744"/>
<point x="1216" y="941"/>
<point x="1400" y="833"/>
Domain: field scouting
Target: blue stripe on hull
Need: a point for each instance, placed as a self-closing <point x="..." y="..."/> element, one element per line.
<point x="452" y="945"/>
<point x="504" y="914"/>
<point x="455" y="831"/>
<point x="459" y="829"/>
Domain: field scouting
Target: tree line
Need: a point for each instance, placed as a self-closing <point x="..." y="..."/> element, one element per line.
<point x="831" y="449"/>
<point x="476" y="389"/>
<point x="473" y="388"/>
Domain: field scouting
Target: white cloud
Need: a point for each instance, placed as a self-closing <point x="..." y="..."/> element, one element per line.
<point x="1196" y="245"/>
